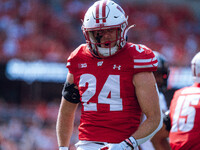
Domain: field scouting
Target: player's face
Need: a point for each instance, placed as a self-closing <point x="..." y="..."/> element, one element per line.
<point x="107" y="38"/>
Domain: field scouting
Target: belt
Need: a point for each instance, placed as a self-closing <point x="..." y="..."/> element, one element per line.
<point x="100" y="143"/>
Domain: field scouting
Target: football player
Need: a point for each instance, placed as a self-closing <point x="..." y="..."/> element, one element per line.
<point x="113" y="81"/>
<point x="161" y="76"/>
<point x="181" y="123"/>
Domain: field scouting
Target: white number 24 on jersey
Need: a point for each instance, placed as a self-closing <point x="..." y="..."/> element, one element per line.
<point x="184" y="115"/>
<point x="111" y="86"/>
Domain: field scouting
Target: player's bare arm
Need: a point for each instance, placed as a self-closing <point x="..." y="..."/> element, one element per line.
<point x="65" y="119"/>
<point x="147" y="95"/>
<point x="159" y="140"/>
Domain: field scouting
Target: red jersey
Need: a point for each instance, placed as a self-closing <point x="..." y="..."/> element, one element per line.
<point x="110" y="110"/>
<point x="185" y="119"/>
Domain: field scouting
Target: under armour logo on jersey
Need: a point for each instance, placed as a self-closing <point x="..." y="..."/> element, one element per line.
<point x="100" y="63"/>
<point x="83" y="65"/>
<point x="117" y="67"/>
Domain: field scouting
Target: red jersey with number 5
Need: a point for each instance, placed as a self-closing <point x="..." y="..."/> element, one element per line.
<point x="110" y="110"/>
<point x="185" y="119"/>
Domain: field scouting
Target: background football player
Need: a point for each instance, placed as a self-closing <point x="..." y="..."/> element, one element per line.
<point x="161" y="76"/>
<point x="181" y="123"/>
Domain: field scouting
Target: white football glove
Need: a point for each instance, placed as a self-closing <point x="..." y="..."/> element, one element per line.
<point x="128" y="144"/>
<point x="120" y="146"/>
<point x="63" y="148"/>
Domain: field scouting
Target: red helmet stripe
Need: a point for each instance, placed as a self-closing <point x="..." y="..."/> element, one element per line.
<point x="104" y="11"/>
<point x="97" y="13"/>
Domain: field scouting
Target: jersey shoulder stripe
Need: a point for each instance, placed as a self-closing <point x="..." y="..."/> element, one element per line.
<point x="145" y="63"/>
<point x="143" y="58"/>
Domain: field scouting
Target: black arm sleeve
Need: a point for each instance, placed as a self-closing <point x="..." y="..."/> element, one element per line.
<point x="167" y="121"/>
<point x="70" y="93"/>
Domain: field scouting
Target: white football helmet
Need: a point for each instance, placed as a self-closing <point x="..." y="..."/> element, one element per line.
<point x="195" y="64"/>
<point x="105" y="14"/>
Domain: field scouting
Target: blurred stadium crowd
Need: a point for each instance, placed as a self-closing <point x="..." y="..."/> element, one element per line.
<point x="49" y="30"/>
<point x="30" y="127"/>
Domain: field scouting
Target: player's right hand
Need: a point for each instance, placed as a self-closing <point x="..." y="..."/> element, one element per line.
<point x="121" y="146"/>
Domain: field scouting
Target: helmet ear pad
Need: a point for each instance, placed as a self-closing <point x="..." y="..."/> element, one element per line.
<point x="104" y="15"/>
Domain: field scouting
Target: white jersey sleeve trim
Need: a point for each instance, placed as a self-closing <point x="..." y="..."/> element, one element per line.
<point x="144" y="60"/>
<point x="146" y="66"/>
<point x="68" y="63"/>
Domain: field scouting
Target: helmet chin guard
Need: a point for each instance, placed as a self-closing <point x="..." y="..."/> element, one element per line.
<point x="104" y="15"/>
<point x="105" y="52"/>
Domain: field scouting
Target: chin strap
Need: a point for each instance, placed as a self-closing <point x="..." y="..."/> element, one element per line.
<point x="132" y="26"/>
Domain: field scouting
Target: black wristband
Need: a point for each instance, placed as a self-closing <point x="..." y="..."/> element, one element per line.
<point x="70" y="93"/>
